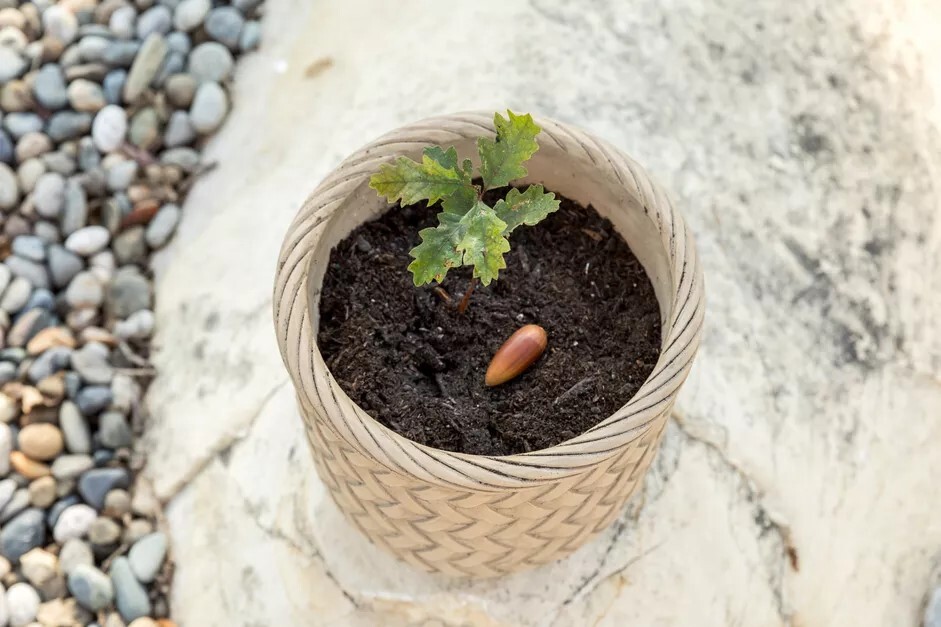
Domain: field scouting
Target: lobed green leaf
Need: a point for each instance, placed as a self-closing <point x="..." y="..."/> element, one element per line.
<point x="529" y="207"/>
<point x="501" y="161"/>
<point x="408" y="181"/>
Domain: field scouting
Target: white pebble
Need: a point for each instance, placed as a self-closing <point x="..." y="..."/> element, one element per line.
<point x="88" y="240"/>
<point x="74" y="522"/>
<point x="109" y="128"/>
<point x="22" y="604"/>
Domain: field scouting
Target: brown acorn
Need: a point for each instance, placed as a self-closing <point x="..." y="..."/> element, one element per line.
<point x="517" y="354"/>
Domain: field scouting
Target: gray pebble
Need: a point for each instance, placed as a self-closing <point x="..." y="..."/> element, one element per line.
<point x="91" y="587"/>
<point x="92" y="48"/>
<point x="16" y="295"/>
<point x="63" y="265"/>
<point x="5" y="277"/>
<point x="23" y="533"/>
<point x="22" y="604"/>
<point x="251" y="36"/>
<point x="86" y="96"/>
<point x="85" y="290"/>
<point x="210" y="61"/>
<point x="11" y="64"/>
<point x="139" y="325"/>
<point x="122" y="22"/>
<point x="117" y="503"/>
<point x="30" y="247"/>
<point x="17" y="503"/>
<point x="95" y="484"/>
<point x="73" y="554"/>
<point x="9" y="188"/>
<point x="180" y="131"/>
<point x="6" y="447"/>
<point x="129" y="246"/>
<point x="19" y="124"/>
<point x="121" y="175"/>
<point x="75" y="212"/>
<point x="48" y="363"/>
<point x="180" y="89"/>
<point x="49" y="87"/>
<point x="7" y="372"/>
<point x="59" y="161"/>
<point x="147" y="555"/>
<point x="157" y="20"/>
<point x="49" y="194"/>
<point x="27" y="325"/>
<point x="88" y="240"/>
<point x="130" y="596"/>
<point x="224" y="24"/>
<point x="186" y="159"/>
<point x="144" y="131"/>
<point x="91" y="362"/>
<point x="68" y="125"/>
<point x="189" y="14"/>
<point x="33" y="272"/>
<point x="179" y="42"/>
<point x="162" y="225"/>
<point x="60" y="23"/>
<point x="128" y="292"/>
<point x="104" y="532"/>
<point x="113" y="430"/>
<point x="74" y="522"/>
<point x="145" y="66"/>
<point x="42" y="298"/>
<point x="88" y="156"/>
<point x="173" y="63"/>
<point x="92" y="399"/>
<point x="8" y="486"/>
<point x="113" y="86"/>
<point x="67" y="467"/>
<point x="74" y="429"/>
<point x="6" y="148"/>
<point x="121" y="53"/>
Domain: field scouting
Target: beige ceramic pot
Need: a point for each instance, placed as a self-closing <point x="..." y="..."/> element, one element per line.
<point x="474" y="515"/>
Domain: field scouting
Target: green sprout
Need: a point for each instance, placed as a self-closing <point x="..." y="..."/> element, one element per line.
<point x="469" y="232"/>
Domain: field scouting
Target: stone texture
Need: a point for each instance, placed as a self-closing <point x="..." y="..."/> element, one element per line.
<point x="800" y="141"/>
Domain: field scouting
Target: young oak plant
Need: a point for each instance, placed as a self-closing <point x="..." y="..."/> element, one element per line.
<point x="469" y="231"/>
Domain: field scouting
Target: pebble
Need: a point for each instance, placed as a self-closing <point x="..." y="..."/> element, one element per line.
<point x="180" y="131"/>
<point x="95" y="484"/>
<point x="67" y="467"/>
<point x="75" y="553"/>
<point x="113" y="430"/>
<point x="156" y="20"/>
<point x="49" y="87"/>
<point x="60" y="23"/>
<point x="9" y="192"/>
<point x="52" y="516"/>
<point x="186" y="159"/>
<point x="104" y="532"/>
<point x="16" y="295"/>
<point x="25" y="532"/>
<point x="41" y="441"/>
<point x="91" y="363"/>
<point x="88" y="240"/>
<point x="128" y="292"/>
<point x="91" y="588"/>
<point x="137" y="529"/>
<point x="18" y="502"/>
<point x="19" y="124"/>
<point x="144" y="130"/>
<point x="73" y="522"/>
<point x="30" y="247"/>
<point x="8" y="488"/>
<point x="68" y="125"/>
<point x="42" y="492"/>
<point x="16" y="95"/>
<point x="109" y="128"/>
<point x="190" y="14"/>
<point x="130" y="247"/>
<point x="50" y="337"/>
<point x="146" y="621"/>
<point x="22" y="603"/>
<point x="39" y="567"/>
<point x="6" y="447"/>
<point x="6" y="148"/>
<point x="122" y="22"/>
<point x="85" y="290"/>
<point x="180" y="89"/>
<point x="113" y="86"/>
<point x="75" y="431"/>
<point x="63" y="265"/>
<point x="91" y="48"/>
<point x="125" y="393"/>
<point x="251" y="36"/>
<point x="117" y="503"/>
<point x="33" y="272"/>
<point x="84" y="95"/>
<point x="49" y="362"/>
<point x="33" y="144"/>
<point x="130" y="596"/>
<point x="92" y="399"/>
<point x="121" y="53"/>
<point x="49" y="194"/>
<point x="75" y="212"/>
<point x="224" y="24"/>
<point x="60" y="162"/>
<point x="121" y="175"/>
<point x="139" y="325"/>
<point x="29" y="468"/>
<point x="8" y="408"/>
<point x="29" y="172"/>
<point x="57" y="612"/>
<point x="147" y="555"/>
<point x="12" y="64"/>
<point x="210" y="61"/>
<point x="209" y="108"/>
<point x="145" y="66"/>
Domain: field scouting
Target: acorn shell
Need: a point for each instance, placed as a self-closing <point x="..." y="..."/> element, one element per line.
<point x="517" y="354"/>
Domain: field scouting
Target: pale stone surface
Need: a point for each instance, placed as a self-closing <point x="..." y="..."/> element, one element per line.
<point x="798" y="482"/>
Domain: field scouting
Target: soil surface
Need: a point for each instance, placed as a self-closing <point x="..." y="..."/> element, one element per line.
<point x="418" y="366"/>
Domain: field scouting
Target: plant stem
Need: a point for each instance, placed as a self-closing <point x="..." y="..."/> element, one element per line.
<point x="465" y="300"/>
<point x="443" y="294"/>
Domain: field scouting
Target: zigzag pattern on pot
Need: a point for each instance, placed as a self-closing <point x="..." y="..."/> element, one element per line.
<point x="473" y="515"/>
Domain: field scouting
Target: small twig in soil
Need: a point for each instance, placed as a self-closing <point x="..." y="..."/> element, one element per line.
<point x="465" y="300"/>
<point x="575" y="389"/>
<point x="443" y="294"/>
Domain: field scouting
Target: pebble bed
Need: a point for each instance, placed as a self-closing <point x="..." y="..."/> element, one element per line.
<point x="104" y="106"/>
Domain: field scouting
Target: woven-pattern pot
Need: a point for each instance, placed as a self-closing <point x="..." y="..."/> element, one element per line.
<point x="475" y="515"/>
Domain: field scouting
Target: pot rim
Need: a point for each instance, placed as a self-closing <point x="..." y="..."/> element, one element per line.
<point x="680" y="337"/>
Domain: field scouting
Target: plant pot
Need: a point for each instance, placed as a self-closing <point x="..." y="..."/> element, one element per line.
<point x="475" y="515"/>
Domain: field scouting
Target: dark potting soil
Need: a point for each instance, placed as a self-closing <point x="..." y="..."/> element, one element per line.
<point x="418" y="366"/>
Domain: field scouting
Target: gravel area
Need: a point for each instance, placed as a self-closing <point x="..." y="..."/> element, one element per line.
<point x="104" y="108"/>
